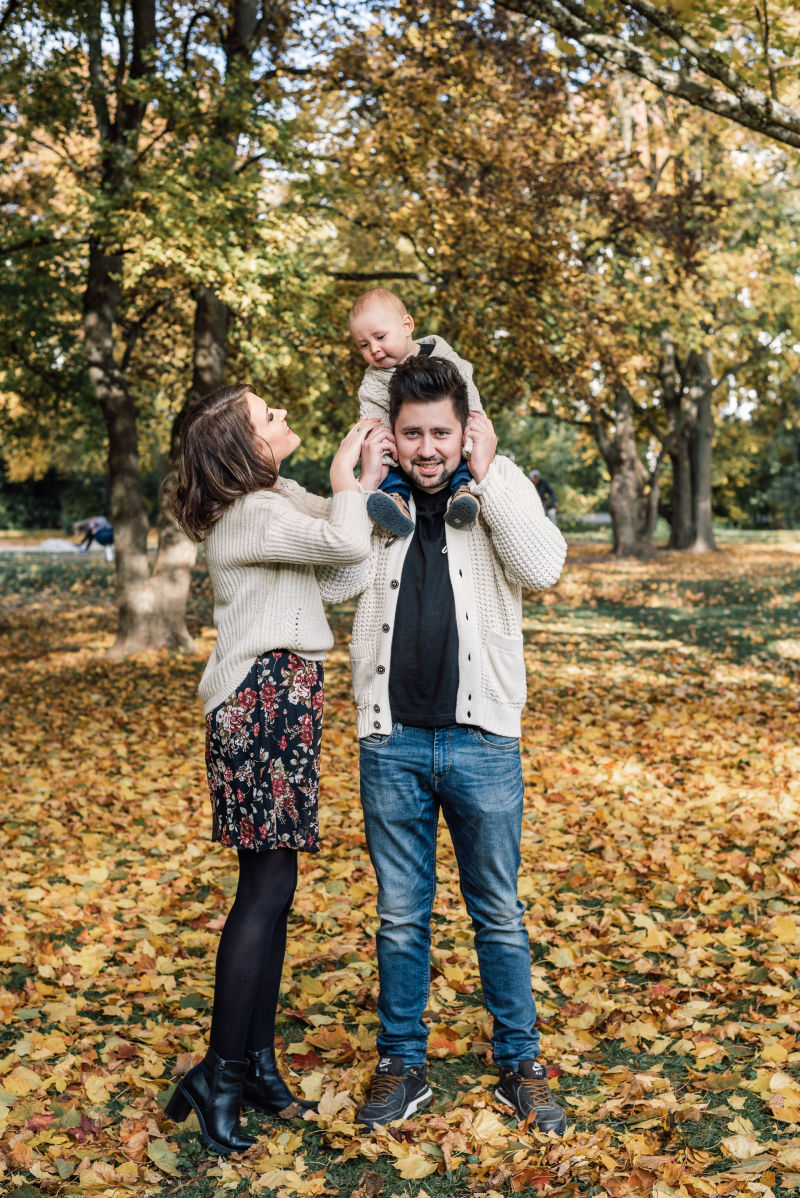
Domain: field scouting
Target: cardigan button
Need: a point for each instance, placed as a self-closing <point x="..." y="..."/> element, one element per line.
<point x="381" y="669"/>
<point x="394" y="584"/>
<point x="385" y="627"/>
<point x="376" y="724"/>
<point x="376" y="707"/>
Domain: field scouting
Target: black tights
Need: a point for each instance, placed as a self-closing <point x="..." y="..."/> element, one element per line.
<point x="250" y="954"/>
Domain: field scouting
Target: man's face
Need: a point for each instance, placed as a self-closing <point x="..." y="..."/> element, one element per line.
<point x="429" y="437"/>
<point x="383" y="334"/>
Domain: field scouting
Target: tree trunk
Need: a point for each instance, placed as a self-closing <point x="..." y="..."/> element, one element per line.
<point x="119" y="114"/>
<point x="128" y="516"/>
<point x="682" y="527"/>
<point x="677" y="444"/>
<point x="172" y="574"/>
<point x="702" y="389"/>
<point x="629" y="500"/>
<point x="248" y="23"/>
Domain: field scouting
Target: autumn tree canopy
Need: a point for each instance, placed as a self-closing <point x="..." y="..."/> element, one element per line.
<point x="738" y="61"/>
<point x="194" y="194"/>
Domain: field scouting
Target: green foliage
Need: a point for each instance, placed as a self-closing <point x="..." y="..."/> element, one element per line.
<point x="562" y="453"/>
<point x="551" y="233"/>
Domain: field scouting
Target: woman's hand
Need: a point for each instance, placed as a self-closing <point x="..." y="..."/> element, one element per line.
<point x="373" y="469"/>
<point x="347" y="455"/>
<point x="484" y="444"/>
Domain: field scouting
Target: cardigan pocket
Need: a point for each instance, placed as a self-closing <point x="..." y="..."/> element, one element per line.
<point x="505" y="669"/>
<point x="362" y="665"/>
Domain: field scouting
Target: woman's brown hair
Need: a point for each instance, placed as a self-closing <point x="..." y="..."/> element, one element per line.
<point x="218" y="460"/>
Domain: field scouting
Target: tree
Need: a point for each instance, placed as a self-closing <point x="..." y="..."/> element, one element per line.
<point x="165" y="164"/>
<point x="730" y="59"/>
<point x="555" y="234"/>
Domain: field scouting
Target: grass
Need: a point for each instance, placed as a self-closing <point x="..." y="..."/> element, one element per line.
<point x="660" y="869"/>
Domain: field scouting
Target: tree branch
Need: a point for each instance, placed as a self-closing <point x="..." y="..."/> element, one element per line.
<point x="764" y="27"/>
<point x="97" y="89"/>
<point x="356" y="276"/>
<point x="198" y="16"/>
<point x="36" y="242"/>
<point x="136" y="328"/>
<point x="13" y="5"/>
<point x="742" y="103"/>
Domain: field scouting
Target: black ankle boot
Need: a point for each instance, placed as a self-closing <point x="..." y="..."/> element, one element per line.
<point x="265" y="1089"/>
<point x="213" y="1090"/>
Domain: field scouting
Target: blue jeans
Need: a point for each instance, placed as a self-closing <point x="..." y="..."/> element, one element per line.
<point x="476" y="779"/>
<point x="397" y="481"/>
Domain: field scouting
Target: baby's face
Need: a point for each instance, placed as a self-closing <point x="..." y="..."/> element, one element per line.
<point x="383" y="334"/>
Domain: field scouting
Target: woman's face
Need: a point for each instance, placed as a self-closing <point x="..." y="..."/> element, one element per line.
<point x="270" y="427"/>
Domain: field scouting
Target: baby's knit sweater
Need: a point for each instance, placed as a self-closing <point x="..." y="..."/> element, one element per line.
<point x="373" y="394"/>
<point x="263" y="555"/>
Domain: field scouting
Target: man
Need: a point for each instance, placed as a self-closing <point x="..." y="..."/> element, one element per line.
<point x="546" y="494"/>
<point x="439" y="679"/>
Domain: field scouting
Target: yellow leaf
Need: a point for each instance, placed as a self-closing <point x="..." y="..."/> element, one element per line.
<point x="289" y="1180"/>
<point x="488" y="1127"/>
<point x="785" y="929"/>
<point x="741" y="1147"/>
<point x="21" y="1081"/>
<point x="331" y="1102"/>
<point x="311" y="1084"/>
<point x="97" y="1089"/>
<point x="413" y="1167"/>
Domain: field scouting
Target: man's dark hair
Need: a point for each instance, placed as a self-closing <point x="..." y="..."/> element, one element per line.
<point x="427" y="380"/>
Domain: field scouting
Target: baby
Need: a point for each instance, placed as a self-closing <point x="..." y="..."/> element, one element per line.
<point x="381" y="328"/>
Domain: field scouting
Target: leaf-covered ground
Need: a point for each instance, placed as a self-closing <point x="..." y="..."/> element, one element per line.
<point x="660" y="869"/>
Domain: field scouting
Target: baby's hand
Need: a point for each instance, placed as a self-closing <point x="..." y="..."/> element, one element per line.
<point x="373" y="468"/>
<point x="484" y="444"/>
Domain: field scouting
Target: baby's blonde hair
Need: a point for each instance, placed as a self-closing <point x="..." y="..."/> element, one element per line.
<point x="376" y="295"/>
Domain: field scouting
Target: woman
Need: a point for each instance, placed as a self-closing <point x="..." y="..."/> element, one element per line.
<point x="262" y="695"/>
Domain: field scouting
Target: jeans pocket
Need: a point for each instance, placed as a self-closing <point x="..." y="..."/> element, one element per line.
<point x="376" y="740"/>
<point x="493" y="740"/>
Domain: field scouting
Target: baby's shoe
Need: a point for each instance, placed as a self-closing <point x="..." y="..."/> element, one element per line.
<point x="463" y="508"/>
<point x="390" y="510"/>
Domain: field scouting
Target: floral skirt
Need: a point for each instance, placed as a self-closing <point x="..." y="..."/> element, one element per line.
<point x="262" y="756"/>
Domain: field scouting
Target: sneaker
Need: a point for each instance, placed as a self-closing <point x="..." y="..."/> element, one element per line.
<point x="463" y="509"/>
<point x="526" y="1090"/>
<point x="390" y="510"/>
<point x="394" y="1092"/>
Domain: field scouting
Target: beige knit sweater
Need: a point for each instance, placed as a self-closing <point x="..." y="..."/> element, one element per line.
<point x="512" y="545"/>
<point x="373" y="394"/>
<point x="263" y="556"/>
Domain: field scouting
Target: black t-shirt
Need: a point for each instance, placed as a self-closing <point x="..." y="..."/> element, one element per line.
<point x="423" y="677"/>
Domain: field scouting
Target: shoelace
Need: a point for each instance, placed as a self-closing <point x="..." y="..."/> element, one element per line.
<point x="537" y="1089"/>
<point x="383" y="1085"/>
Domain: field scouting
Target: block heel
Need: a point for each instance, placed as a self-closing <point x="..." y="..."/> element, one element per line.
<point x="178" y="1107"/>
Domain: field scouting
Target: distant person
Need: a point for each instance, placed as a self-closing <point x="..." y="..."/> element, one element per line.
<point x="546" y="494"/>
<point x="381" y="328"/>
<point x="267" y="541"/>
<point x="96" y="528"/>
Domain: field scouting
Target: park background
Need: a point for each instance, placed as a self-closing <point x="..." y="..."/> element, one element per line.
<point x="597" y="205"/>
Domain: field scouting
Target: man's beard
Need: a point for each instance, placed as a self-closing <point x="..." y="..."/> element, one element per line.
<point x="433" y="481"/>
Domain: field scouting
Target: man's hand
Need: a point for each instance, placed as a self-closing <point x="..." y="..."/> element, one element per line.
<point x="373" y="469"/>
<point x="484" y="444"/>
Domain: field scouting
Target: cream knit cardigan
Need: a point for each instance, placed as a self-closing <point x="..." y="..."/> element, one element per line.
<point x="373" y="394"/>
<point x="264" y="555"/>
<point x="512" y="545"/>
